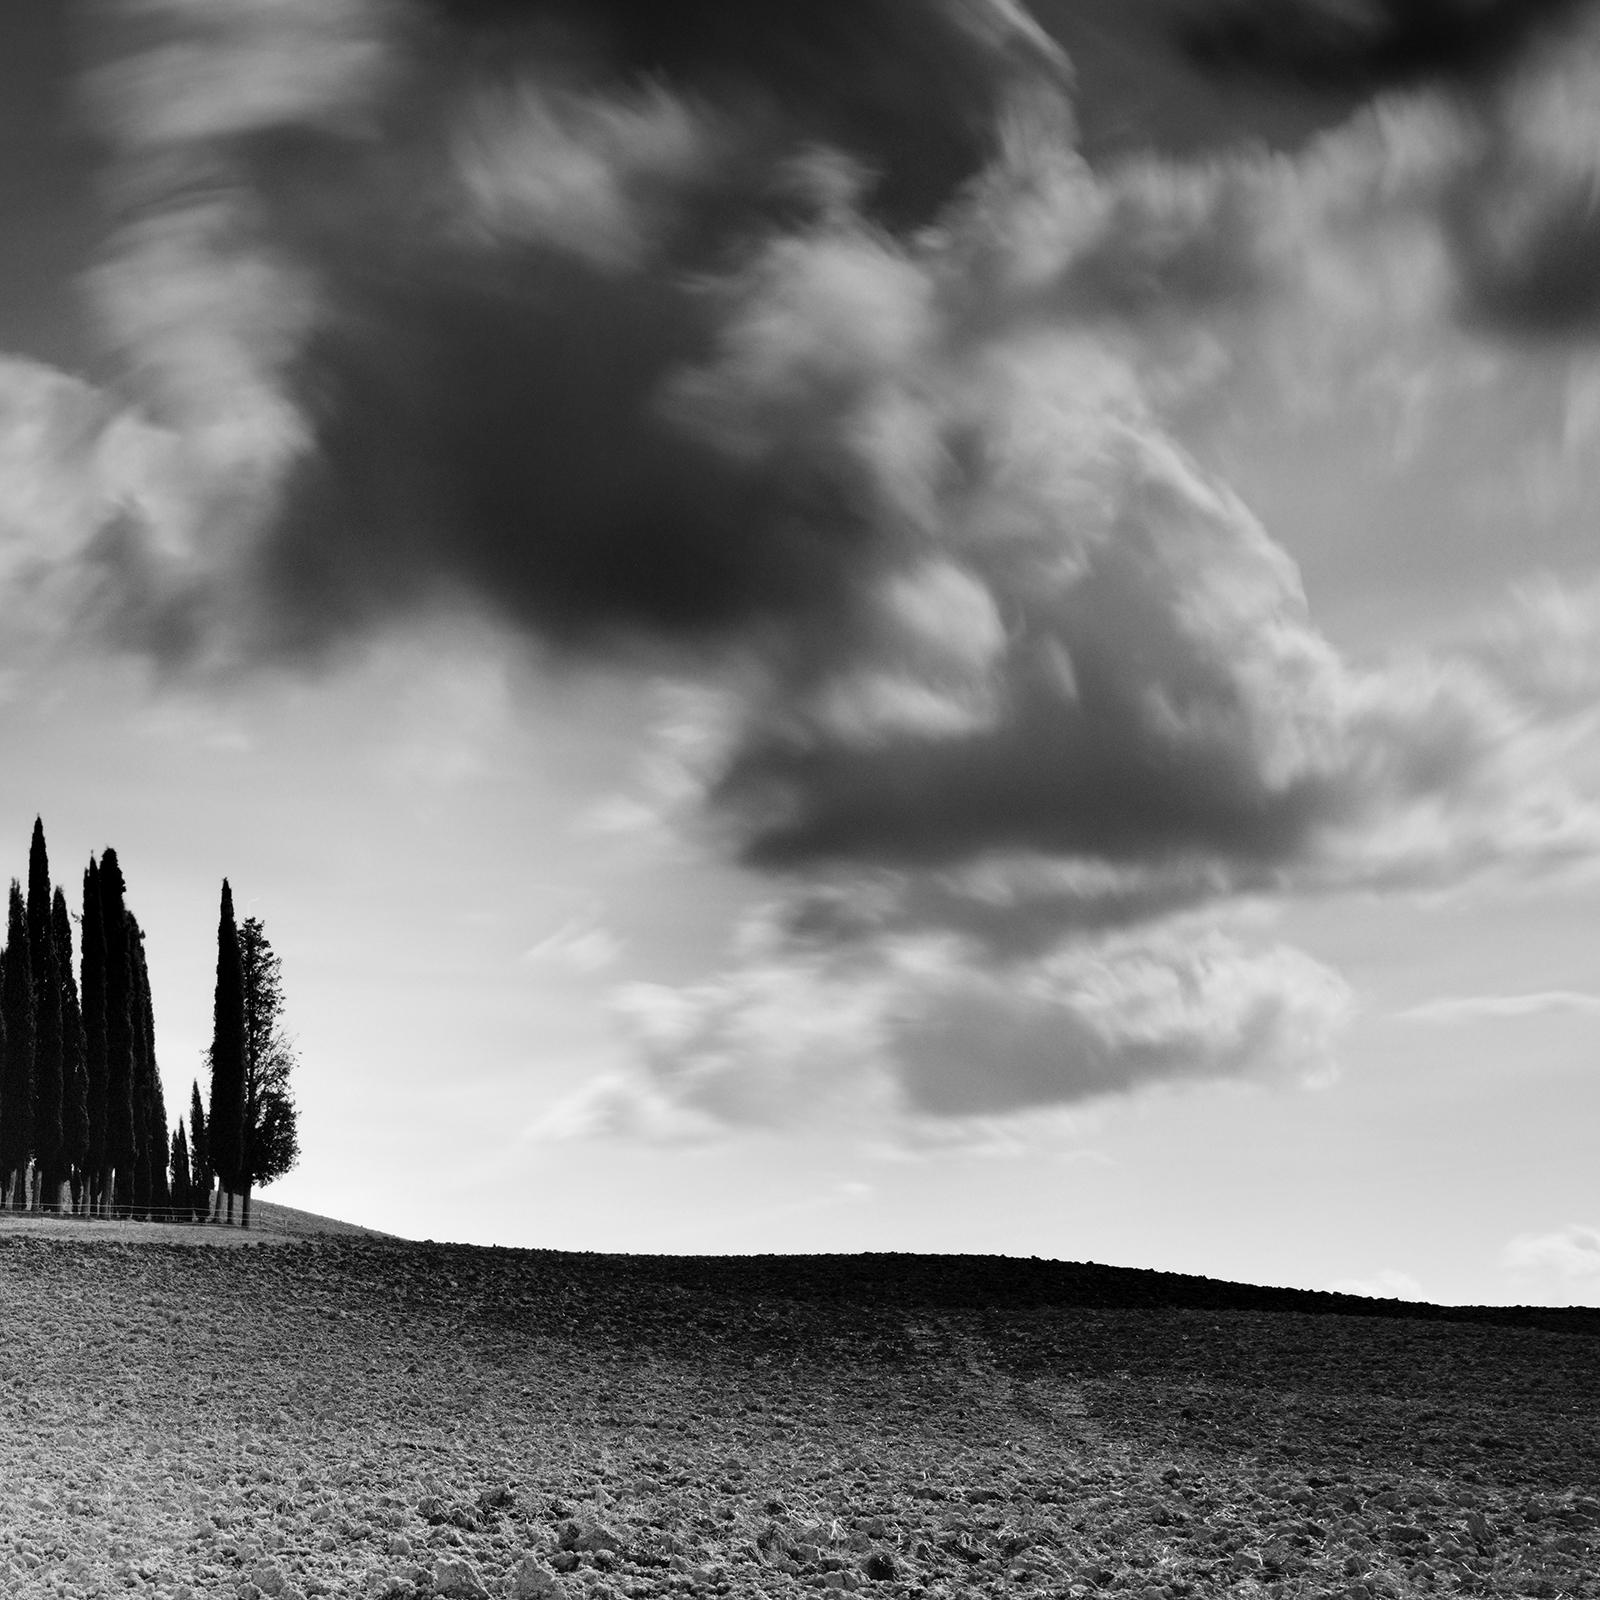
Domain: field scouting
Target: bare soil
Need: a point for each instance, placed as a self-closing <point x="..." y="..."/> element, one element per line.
<point x="355" y="1416"/>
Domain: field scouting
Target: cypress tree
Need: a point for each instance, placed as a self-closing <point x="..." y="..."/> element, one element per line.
<point x="74" y="1074"/>
<point x="16" y="1003"/>
<point x="182" y="1193"/>
<point x="270" y="1146"/>
<point x="225" y="1124"/>
<point x="141" y="1071"/>
<point x="48" y="1064"/>
<point x="93" y="957"/>
<point x="199" y="1158"/>
<point x="121" y="1142"/>
<point x="150" y="1105"/>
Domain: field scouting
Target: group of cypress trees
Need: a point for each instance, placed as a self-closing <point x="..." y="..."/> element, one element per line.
<point x="81" y="1107"/>
<point x="81" y="1103"/>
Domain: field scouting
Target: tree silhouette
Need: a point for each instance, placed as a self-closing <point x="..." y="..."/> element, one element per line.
<point x="74" y="1061"/>
<point x="48" y="1068"/>
<point x="149" y="1104"/>
<point x="199" y="1154"/>
<point x="225" y="1124"/>
<point x="92" y="954"/>
<point x="122" y="1148"/>
<point x="16" y="1094"/>
<point x="182" y="1191"/>
<point x="270" y="1145"/>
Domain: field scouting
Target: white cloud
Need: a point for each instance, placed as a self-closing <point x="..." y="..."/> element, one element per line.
<point x="915" y="1040"/>
<point x="1571" y="1253"/>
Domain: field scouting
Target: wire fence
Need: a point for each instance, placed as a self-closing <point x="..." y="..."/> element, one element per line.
<point x="197" y="1216"/>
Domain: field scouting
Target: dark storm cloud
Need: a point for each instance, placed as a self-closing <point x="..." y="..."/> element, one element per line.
<point x="1517" y="206"/>
<point x="1057" y="779"/>
<point x="1366" y="45"/>
<point x="1523" y="219"/>
<point x="506" y="443"/>
<point x="450" y="257"/>
<point x="1010" y="909"/>
<point x="910" y="90"/>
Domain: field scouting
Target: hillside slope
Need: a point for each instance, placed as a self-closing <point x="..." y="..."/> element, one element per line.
<point x="269" y="1224"/>
<point x="360" y="1417"/>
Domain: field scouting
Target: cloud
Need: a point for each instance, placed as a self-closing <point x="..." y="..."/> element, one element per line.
<point x="915" y="1034"/>
<point x="1493" y="1007"/>
<point x="1369" y="44"/>
<point x="796" y="351"/>
<point x="1516" y="80"/>
<point x="424" y="315"/>
<point x="99" y="523"/>
<point x="1389" y="1283"/>
<point x="582" y="946"/>
<point x="1571" y="1253"/>
<point x="1526" y="222"/>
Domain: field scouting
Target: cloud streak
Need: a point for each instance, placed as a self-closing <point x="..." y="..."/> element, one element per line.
<point x="1495" y="1007"/>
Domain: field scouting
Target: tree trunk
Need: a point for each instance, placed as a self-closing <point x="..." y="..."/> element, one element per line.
<point x="244" y="1208"/>
<point x="230" y="1208"/>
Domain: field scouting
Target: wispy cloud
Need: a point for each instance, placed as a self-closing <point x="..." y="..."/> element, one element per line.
<point x="1491" y="1007"/>
<point x="581" y="945"/>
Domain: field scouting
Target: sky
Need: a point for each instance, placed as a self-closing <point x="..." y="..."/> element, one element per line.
<point x="856" y="625"/>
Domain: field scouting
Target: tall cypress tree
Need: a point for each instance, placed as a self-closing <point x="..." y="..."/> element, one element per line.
<point x="93" y="956"/>
<point x="74" y="1063"/>
<point x="121" y="1143"/>
<point x="225" y="1124"/>
<point x="199" y="1157"/>
<point x="140" y="1072"/>
<point x="16" y="1003"/>
<point x="48" y="1051"/>
<point x="5" y="1080"/>
<point x="152" y="1196"/>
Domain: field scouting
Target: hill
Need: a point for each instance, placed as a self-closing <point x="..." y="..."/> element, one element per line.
<point x="341" y="1416"/>
<point x="269" y="1224"/>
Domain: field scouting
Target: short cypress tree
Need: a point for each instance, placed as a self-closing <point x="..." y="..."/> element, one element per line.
<point x="74" y="1071"/>
<point x="16" y="1095"/>
<point x="182" y="1193"/>
<point x="48" y="1064"/>
<point x="92" y="953"/>
<point x="121" y="1140"/>
<point x="199" y="1154"/>
<point x="225" y="1124"/>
